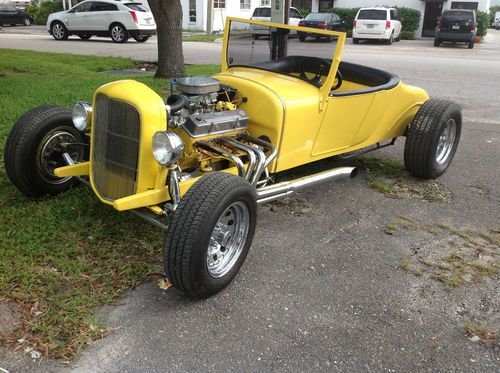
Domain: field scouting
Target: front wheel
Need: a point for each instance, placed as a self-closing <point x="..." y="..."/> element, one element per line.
<point x="433" y="138"/>
<point x="210" y="234"/>
<point x="119" y="33"/>
<point x="141" y="38"/>
<point x="27" y="22"/>
<point x="35" y="148"/>
<point x="59" y="31"/>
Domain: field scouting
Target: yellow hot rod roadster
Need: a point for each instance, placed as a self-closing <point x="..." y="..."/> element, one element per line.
<point x="198" y="162"/>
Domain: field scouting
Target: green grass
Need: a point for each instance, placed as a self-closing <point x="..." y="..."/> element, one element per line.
<point x="201" y="37"/>
<point x="69" y="254"/>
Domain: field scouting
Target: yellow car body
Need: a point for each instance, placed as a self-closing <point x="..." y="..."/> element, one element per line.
<point x="304" y="122"/>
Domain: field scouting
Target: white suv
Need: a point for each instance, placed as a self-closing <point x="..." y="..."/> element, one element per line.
<point x="119" y="20"/>
<point x="377" y="24"/>
<point x="263" y="13"/>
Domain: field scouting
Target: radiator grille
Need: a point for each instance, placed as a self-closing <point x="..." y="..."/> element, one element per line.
<point x="115" y="142"/>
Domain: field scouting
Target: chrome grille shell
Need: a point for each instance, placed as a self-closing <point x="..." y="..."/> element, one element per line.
<point x="115" y="149"/>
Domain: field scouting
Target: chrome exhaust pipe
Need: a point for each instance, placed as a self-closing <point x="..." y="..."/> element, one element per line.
<point x="248" y="150"/>
<point x="283" y="189"/>
<point x="224" y="154"/>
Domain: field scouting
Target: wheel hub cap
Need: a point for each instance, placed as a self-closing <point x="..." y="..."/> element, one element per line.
<point x="446" y="141"/>
<point x="228" y="239"/>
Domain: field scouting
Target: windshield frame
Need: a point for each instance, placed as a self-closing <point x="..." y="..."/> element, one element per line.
<point x="336" y="57"/>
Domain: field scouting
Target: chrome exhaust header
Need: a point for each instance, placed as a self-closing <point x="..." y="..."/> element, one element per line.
<point x="286" y="188"/>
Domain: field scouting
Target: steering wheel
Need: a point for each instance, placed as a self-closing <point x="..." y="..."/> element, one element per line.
<point x="320" y="67"/>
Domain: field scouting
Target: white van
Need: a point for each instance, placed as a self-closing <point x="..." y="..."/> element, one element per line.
<point x="377" y="24"/>
<point x="263" y="13"/>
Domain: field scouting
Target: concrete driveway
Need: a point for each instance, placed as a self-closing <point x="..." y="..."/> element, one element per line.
<point x="324" y="287"/>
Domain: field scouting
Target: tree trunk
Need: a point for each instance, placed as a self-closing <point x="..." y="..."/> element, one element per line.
<point x="168" y="17"/>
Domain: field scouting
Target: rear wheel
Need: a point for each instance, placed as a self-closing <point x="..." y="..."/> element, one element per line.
<point x="119" y="33"/>
<point x="256" y="36"/>
<point x="436" y="42"/>
<point x="141" y="38"/>
<point x="210" y="234"/>
<point x="27" y="22"/>
<point x="355" y="41"/>
<point x="302" y="37"/>
<point x="391" y="38"/>
<point x="471" y="44"/>
<point x="35" y="148"/>
<point x="433" y="138"/>
<point x="59" y="31"/>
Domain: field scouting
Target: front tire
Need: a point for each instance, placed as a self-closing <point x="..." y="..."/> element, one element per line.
<point x="35" y="146"/>
<point x="433" y="138"/>
<point x="118" y="33"/>
<point x="210" y="234"/>
<point x="59" y="31"/>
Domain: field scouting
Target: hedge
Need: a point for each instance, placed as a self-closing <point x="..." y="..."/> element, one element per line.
<point x="483" y="22"/>
<point x="41" y="12"/>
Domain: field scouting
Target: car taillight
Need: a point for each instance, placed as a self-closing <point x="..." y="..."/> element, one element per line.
<point x="472" y="26"/>
<point x="354" y="23"/>
<point x="301" y="23"/>
<point x="387" y="25"/>
<point x="323" y="25"/>
<point x="134" y="16"/>
<point x="439" y="26"/>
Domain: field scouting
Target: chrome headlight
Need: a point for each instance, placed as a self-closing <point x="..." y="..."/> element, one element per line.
<point x="82" y="113"/>
<point x="167" y="147"/>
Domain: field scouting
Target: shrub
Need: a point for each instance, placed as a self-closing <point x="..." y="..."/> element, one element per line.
<point x="41" y="12"/>
<point x="410" y="18"/>
<point x="408" y="35"/>
<point x="483" y="22"/>
<point x="304" y="12"/>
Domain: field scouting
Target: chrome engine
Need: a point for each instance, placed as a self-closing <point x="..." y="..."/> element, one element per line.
<point x="205" y="107"/>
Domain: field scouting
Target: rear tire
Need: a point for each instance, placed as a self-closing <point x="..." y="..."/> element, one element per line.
<point x="256" y="36"/>
<point x="470" y="45"/>
<point x="141" y="38"/>
<point x="34" y="149"/>
<point x="210" y="234"/>
<point x="433" y="138"/>
<point x="118" y="33"/>
<point x="436" y="42"/>
<point x="355" y="41"/>
<point x="302" y="37"/>
<point x="27" y="22"/>
<point x="391" y="38"/>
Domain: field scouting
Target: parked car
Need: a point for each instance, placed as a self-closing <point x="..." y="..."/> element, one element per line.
<point x="377" y="24"/>
<point x="119" y="20"/>
<point x="496" y="22"/>
<point x="456" y="25"/>
<point x="324" y="21"/>
<point x="198" y="162"/>
<point x="10" y="15"/>
<point x="263" y="14"/>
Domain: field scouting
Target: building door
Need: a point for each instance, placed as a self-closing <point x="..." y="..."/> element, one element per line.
<point x="433" y="11"/>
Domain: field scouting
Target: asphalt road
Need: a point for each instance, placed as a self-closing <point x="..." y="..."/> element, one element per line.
<point x="323" y="288"/>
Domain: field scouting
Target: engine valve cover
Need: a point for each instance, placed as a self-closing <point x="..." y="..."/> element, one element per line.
<point x="203" y="124"/>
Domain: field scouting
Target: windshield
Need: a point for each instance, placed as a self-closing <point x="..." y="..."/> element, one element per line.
<point x="460" y="15"/>
<point x="373" y="14"/>
<point x="317" y="17"/>
<point x="251" y="45"/>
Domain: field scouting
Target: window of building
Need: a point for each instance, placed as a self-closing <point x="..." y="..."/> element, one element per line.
<point x="302" y="4"/>
<point x="219" y="4"/>
<point x="325" y="5"/>
<point x="265" y="2"/>
<point x="192" y="10"/>
<point x="244" y="4"/>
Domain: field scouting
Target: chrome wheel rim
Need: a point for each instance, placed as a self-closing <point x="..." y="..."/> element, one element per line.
<point x="27" y="22"/>
<point x="446" y="141"/>
<point x="58" y="31"/>
<point x="228" y="239"/>
<point x="117" y="33"/>
<point x="50" y="151"/>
